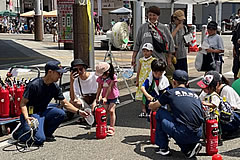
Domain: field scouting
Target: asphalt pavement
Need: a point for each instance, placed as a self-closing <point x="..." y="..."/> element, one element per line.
<point x="131" y="141"/>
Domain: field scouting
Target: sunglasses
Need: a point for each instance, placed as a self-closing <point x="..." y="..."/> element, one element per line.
<point x="75" y="69"/>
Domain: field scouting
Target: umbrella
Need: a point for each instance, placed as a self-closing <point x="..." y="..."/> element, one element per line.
<point x="31" y="14"/>
<point x="8" y="13"/>
<point x="50" y="14"/>
<point x="122" y="10"/>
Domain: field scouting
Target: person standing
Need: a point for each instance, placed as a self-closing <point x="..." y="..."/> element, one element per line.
<point x="215" y="50"/>
<point x="236" y="50"/>
<point x="178" y="30"/>
<point x="183" y="123"/>
<point x="34" y="105"/>
<point x="157" y="34"/>
<point x="143" y="71"/>
<point x="107" y="87"/>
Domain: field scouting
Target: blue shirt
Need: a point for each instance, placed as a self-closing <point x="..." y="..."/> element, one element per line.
<point x="39" y="94"/>
<point x="185" y="105"/>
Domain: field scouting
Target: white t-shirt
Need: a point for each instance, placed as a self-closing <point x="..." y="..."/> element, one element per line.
<point x="231" y="96"/>
<point x="88" y="86"/>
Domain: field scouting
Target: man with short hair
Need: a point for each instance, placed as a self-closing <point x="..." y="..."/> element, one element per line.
<point x="183" y="123"/>
<point x="34" y="105"/>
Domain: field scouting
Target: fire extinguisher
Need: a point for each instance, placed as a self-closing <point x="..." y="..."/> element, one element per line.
<point x="4" y="102"/>
<point x="101" y="122"/>
<point x="211" y="136"/>
<point x="153" y="125"/>
<point x="18" y="97"/>
<point x="12" y="105"/>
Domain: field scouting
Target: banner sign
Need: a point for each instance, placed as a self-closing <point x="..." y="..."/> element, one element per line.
<point x="65" y="20"/>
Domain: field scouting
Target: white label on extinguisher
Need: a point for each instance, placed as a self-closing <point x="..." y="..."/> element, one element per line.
<point x="103" y="111"/>
<point x="2" y="100"/>
<point x="214" y="125"/>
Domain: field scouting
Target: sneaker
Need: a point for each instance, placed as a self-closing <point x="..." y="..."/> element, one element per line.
<point x="163" y="152"/>
<point x="195" y="151"/>
<point x="50" y="138"/>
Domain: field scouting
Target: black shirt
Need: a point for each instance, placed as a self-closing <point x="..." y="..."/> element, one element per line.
<point x="39" y="94"/>
<point x="185" y="105"/>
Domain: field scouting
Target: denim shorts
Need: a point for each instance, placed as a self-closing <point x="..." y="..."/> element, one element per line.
<point x="115" y="100"/>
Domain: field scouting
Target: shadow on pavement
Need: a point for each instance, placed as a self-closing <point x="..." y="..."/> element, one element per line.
<point x="141" y="143"/>
<point x="127" y="116"/>
<point x="15" y="54"/>
<point x="232" y="153"/>
<point x="85" y="136"/>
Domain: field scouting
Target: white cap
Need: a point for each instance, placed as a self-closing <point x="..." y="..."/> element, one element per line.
<point x="148" y="46"/>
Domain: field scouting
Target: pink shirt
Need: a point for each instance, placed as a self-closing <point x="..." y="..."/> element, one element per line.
<point x="105" y="83"/>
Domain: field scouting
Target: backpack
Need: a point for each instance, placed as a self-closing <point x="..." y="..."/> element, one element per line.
<point x="226" y="111"/>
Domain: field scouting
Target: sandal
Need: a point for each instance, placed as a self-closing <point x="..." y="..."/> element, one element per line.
<point x="142" y="115"/>
<point x="111" y="131"/>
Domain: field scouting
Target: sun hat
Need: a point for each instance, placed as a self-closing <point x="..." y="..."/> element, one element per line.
<point x="76" y="62"/>
<point x="179" y="14"/>
<point x="101" y="68"/>
<point x="212" y="25"/>
<point x="90" y="118"/>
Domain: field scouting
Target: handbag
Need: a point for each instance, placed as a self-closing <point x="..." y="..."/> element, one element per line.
<point x="88" y="98"/>
<point x="159" y="47"/>
<point x="199" y="61"/>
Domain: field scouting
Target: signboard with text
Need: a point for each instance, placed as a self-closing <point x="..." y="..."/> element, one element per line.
<point x="65" y="20"/>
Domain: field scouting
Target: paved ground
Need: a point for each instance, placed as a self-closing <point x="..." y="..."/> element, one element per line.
<point x="131" y="140"/>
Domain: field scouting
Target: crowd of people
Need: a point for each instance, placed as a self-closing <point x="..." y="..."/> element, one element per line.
<point x="162" y="86"/>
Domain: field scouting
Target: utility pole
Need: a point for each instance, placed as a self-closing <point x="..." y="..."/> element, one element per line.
<point x="81" y="31"/>
<point x="38" y="25"/>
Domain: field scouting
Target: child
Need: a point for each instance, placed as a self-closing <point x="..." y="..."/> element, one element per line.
<point x="209" y="83"/>
<point x="107" y="84"/>
<point x="156" y="83"/>
<point x="144" y="69"/>
<point x="213" y="60"/>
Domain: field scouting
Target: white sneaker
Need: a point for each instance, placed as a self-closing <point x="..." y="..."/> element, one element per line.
<point x="163" y="152"/>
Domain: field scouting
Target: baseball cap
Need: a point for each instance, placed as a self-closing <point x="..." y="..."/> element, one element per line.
<point x="180" y="76"/>
<point x="179" y="14"/>
<point x="101" y="68"/>
<point x="212" y="25"/>
<point x="54" y="66"/>
<point x="76" y="62"/>
<point x="210" y="79"/>
<point x="148" y="46"/>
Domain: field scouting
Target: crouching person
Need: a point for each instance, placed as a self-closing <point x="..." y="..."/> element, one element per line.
<point x="183" y="123"/>
<point x="34" y="105"/>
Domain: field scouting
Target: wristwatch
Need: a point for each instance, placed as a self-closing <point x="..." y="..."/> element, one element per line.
<point x="78" y="112"/>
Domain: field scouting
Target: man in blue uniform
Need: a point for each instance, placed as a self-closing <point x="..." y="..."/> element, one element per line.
<point x="183" y="123"/>
<point x="34" y="105"/>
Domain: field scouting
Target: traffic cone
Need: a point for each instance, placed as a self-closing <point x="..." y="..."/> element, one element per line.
<point x="193" y="45"/>
<point x="216" y="157"/>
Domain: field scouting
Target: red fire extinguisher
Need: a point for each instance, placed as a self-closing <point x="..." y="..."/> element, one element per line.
<point x="4" y="102"/>
<point x="211" y="137"/>
<point x="153" y="125"/>
<point x="12" y="105"/>
<point x="101" y="122"/>
<point x="18" y="97"/>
